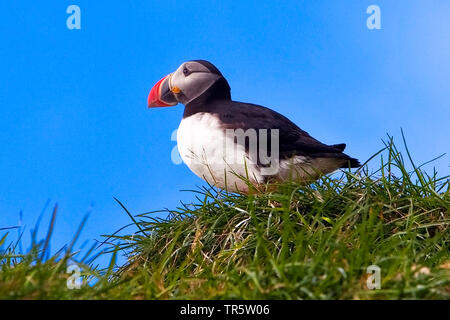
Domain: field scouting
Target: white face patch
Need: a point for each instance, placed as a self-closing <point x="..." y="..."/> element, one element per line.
<point x="193" y="79"/>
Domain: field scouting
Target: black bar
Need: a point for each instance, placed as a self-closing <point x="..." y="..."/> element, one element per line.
<point x="224" y="309"/>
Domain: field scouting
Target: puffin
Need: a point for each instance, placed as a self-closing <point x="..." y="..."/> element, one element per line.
<point x="238" y="146"/>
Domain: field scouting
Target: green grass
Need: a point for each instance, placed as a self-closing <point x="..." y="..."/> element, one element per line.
<point x="298" y="242"/>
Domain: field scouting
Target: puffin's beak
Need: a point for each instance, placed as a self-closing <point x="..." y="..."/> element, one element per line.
<point x="160" y="95"/>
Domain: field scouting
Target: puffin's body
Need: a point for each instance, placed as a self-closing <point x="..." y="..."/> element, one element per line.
<point x="223" y="141"/>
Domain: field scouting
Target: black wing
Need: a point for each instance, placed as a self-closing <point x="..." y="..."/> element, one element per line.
<point x="293" y="140"/>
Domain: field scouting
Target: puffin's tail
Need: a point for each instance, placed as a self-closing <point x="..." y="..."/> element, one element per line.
<point x="351" y="163"/>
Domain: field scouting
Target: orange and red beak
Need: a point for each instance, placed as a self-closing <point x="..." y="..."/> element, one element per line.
<point x="161" y="95"/>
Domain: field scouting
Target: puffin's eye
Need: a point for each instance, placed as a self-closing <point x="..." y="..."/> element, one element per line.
<point x="186" y="71"/>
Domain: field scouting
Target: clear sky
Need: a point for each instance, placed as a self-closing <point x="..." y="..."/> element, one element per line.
<point x="74" y="122"/>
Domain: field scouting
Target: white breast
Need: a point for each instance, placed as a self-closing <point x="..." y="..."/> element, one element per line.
<point x="204" y="148"/>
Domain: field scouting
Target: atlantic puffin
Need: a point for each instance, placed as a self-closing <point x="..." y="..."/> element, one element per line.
<point x="233" y="145"/>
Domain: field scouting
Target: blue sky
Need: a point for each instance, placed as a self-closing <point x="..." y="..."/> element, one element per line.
<point x="75" y="127"/>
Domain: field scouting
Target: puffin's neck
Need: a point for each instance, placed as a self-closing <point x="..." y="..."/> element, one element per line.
<point x="220" y="90"/>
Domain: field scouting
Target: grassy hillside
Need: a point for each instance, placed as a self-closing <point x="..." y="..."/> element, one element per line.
<point x="298" y="242"/>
